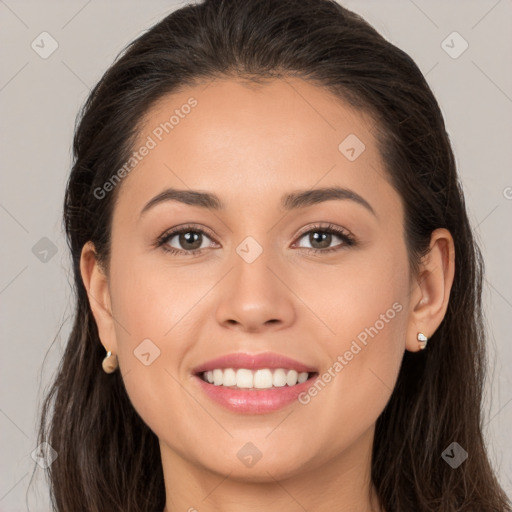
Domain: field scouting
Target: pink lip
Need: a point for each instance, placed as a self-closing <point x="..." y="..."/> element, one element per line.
<point x="254" y="362"/>
<point x="253" y="401"/>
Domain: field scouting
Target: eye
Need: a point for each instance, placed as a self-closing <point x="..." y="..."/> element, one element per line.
<point x="190" y="240"/>
<point x="187" y="240"/>
<point x="320" y="238"/>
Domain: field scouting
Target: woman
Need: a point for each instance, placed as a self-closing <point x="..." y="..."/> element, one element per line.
<point x="278" y="291"/>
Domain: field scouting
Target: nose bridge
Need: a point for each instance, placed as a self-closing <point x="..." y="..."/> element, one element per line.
<point x="252" y="267"/>
<point x="253" y="296"/>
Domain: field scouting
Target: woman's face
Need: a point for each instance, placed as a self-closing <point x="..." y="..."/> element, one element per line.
<point x="257" y="285"/>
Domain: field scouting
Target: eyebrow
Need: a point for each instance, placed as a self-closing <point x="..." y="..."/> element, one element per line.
<point x="290" y="201"/>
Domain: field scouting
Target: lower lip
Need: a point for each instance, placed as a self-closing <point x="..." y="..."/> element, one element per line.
<point x="254" y="401"/>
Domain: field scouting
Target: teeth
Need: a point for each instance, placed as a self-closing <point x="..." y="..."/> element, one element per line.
<point x="229" y="377"/>
<point x="262" y="379"/>
<point x="279" y="378"/>
<point x="244" y="378"/>
<point x="303" y="377"/>
<point x="218" y="377"/>
<point x="291" y="377"/>
<point x="258" y="379"/>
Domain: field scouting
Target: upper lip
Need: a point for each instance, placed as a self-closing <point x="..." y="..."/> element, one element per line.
<point x="253" y="362"/>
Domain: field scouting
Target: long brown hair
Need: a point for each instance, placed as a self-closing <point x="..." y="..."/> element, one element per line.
<point x="108" y="458"/>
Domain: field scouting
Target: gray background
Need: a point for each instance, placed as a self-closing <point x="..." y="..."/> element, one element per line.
<point x="39" y="99"/>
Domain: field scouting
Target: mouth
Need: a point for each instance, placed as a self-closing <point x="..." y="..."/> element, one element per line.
<point x="263" y="378"/>
<point x="254" y="384"/>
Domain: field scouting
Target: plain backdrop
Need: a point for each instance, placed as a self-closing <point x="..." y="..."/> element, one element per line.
<point x="40" y="98"/>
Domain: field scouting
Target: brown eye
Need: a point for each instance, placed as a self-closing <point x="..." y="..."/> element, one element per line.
<point x="190" y="240"/>
<point x="321" y="239"/>
<point x="187" y="241"/>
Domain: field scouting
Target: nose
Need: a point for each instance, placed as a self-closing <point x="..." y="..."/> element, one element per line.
<point x="255" y="297"/>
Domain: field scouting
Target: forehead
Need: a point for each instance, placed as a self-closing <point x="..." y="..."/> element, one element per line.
<point x="250" y="142"/>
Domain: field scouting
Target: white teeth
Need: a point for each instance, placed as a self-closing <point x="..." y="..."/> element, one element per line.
<point x="229" y="378"/>
<point x="262" y="379"/>
<point x="303" y="377"/>
<point x="258" y="379"/>
<point x="218" y="377"/>
<point x="279" y="378"/>
<point x="291" y="378"/>
<point x="244" y="378"/>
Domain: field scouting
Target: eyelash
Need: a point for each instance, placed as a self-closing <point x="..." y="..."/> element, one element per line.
<point x="346" y="237"/>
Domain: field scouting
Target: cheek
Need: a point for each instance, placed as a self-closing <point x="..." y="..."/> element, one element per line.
<point x="151" y="331"/>
<point x="367" y="314"/>
<point x="156" y="310"/>
<point x="364" y="297"/>
<point x="371" y="320"/>
<point x="355" y="386"/>
<point x="146" y="307"/>
<point x="152" y="300"/>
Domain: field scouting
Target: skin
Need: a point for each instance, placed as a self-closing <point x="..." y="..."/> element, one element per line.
<point x="250" y="145"/>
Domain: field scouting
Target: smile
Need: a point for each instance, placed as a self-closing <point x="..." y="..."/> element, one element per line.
<point x="264" y="378"/>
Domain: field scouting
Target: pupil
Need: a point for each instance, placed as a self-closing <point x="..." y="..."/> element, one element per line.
<point x="322" y="237"/>
<point x="190" y="237"/>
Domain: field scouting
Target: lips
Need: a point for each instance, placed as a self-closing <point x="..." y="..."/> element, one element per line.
<point x="254" y="401"/>
<point x="254" y="362"/>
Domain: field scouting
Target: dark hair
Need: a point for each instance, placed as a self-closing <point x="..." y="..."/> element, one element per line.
<point x="108" y="458"/>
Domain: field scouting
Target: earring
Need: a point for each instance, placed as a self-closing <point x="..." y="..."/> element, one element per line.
<point x="110" y="363"/>
<point x="422" y="341"/>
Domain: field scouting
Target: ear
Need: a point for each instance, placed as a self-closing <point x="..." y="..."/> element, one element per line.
<point x="431" y="292"/>
<point x="96" y="284"/>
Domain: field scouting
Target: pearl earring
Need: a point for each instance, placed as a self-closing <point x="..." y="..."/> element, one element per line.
<point x="422" y="341"/>
<point x="110" y="363"/>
